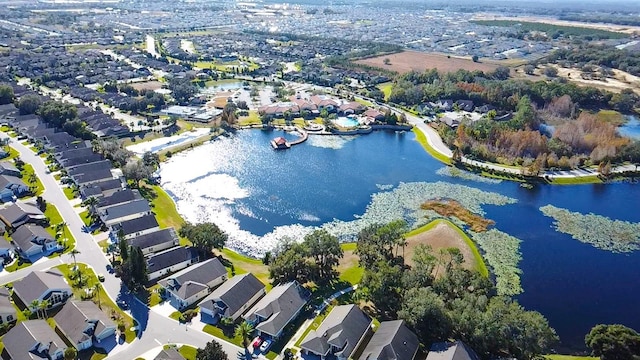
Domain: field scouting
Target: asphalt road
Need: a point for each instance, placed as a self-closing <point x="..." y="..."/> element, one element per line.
<point x="155" y="329"/>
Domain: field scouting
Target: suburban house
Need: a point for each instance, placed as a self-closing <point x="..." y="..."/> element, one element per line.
<point x="33" y="339"/>
<point x="7" y="310"/>
<point x="6" y="249"/>
<point x="392" y="341"/>
<point x="324" y="102"/>
<point x="234" y="297"/>
<point x="170" y="261"/>
<point x="136" y="227"/>
<point x="32" y="240"/>
<point x="277" y="309"/>
<point x="91" y="177"/>
<point x="48" y="285"/>
<point x="155" y="241"/>
<point x="350" y="108"/>
<point x="190" y="285"/>
<point x="3" y="153"/>
<point x="15" y="184"/>
<point x="123" y="212"/>
<point x="102" y="188"/>
<point x="118" y="197"/>
<point x="7" y="168"/>
<point x="82" y="322"/>
<point x="341" y="333"/>
<point x="374" y="115"/>
<point x="89" y="167"/>
<point x="451" y="351"/>
<point x="20" y="213"/>
<point x="169" y="354"/>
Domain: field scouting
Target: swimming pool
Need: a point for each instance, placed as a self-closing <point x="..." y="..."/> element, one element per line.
<point x="346" y="122"/>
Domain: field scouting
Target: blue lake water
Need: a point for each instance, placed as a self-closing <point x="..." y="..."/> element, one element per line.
<point x="631" y="128"/>
<point x="257" y="193"/>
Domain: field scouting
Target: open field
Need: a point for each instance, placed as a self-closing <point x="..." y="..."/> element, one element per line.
<point x="442" y="234"/>
<point x="147" y="85"/>
<point x="544" y="20"/>
<point x="412" y="60"/>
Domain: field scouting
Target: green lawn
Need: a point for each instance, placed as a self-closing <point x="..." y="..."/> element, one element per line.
<point x="422" y="139"/>
<point x="243" y="264"/>
<point x="570" y="357"/>
<point x="591" y="179"/>
<point x="17" y="265"/>
<point x="188" y="352"/>
<point x="217" y="332"/>
<point x="480" y="266"/>
<point x="107" y="305"/>
<point x="252" y="119"/>
<point x="54" y="218"/>
<point x="13" y="153"/>
<point x="26" y="177"/>
<point x="86" y="217"/>
<point x="386" y="89"/>
<point x="164" y="208"/>
<point x="351" y="272"/>
<point x="154" y="296"/>
<point x="69" y="193"/>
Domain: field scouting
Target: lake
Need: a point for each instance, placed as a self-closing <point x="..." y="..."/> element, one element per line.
<point x="259" y="195"/>
<point x="631" y="128"/>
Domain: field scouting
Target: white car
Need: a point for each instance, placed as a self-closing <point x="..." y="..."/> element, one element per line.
<point x="265" y="346"/>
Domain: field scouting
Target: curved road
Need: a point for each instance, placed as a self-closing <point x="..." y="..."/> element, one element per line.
<point x="156" y="329"/>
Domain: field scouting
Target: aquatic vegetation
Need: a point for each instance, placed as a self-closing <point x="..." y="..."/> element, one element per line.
<point x="452" y="208"/>
<point x="405" y="201"/>
<point x="465" y="175"/>
<point x="329" y="141"/>
<point x="384" y="187"/>
<point x="502" y="252"/>
<point x="599" y="231"/>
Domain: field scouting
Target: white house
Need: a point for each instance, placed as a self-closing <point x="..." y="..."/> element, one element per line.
<point x="277" y="309"/>
<point x="32" y="240"/>
<point x="170" y="261"/>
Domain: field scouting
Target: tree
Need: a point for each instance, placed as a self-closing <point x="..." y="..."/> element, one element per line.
<point x="70" y="353"/>
<point x="290" y="264"/>
<point x="381" y="286"/>
<point x="387" y="61"/>
<point x="136" y="170"/>
<point x="244" y="330"/>
<point x="35" y="304"/>
<point x="29" y="104"/>
<point x="124" y="249"/>
<point x="151" y="159"/>
<point x="96" y="293"/>
<point x="6" y="94"/>
<point x="73" y="254"/>
<point x="550" y="71"/>
<point x="326" y="253"/>
<point x="242" y="105"/>
<point x="205" y="236"/>
<point x="44" y="305"/>
<point x="614" y="342"/>
<point x="425" y="312"/>
<point x="474" y="58"/>
<point x="212" y="351"/>
<point x="529" y="69"/>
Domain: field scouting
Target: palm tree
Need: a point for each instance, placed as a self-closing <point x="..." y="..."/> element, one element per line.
<point x="27" y="312"/>
<point x="73" y="254"/>
<point x="244" y="330"/>
<point x="35" y="304"/>
<point x="44" y="305"/>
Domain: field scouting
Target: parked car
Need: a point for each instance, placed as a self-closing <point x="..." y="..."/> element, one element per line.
<point x="101" y="277"/>
<point x="265" y="346"/>
<point x="256" y="342"/>
<point x="122" y="304"/>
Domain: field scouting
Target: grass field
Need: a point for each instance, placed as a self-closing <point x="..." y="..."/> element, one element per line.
<point x="69" y="193"/>
<point x="422" y="139"/>
<point x="55" y="218"/>
<point x="386" y="89"/>
<point x="252" y="119"/>
<point x="26" y="177"/>
<point x="406" y="61"/>
<point x="591" y="179"/>
<point x="164" y="208"/>
<point x="349" y="267"/>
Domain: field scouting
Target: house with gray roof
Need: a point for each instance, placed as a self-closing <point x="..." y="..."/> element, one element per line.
<point x="155" y="241"/>
<point x="392" y="341"/>
<point x="7" y="168"/>
<point x="190" y="285"/>
<point x="94" y="176"/>
<point x="170" y="261"/>
<point x="35" y="340"/>
<point x="451" y="351"/>
<point x="123" y="212"/>
<point x="48" y="285"/>
<point x="234" y="297"/>
<point x="277" y="309"/>
<point x="102" y="188"/>
<point x="34" y="240"/>
<point x="15" y="184"/>
<point x="118" y="197"/>
<point x="135" y="227"/>
<point x="341" y="333"/>
<point x="82" y="322"/>
<point x="20" y="213"/>
<point x="7" y="310"/>
<point x="6" y="249"/>
<point x="169" y="354"/>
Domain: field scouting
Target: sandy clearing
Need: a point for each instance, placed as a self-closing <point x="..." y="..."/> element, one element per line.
<point x="440" y="237"/>
<point x="406" y="61"/>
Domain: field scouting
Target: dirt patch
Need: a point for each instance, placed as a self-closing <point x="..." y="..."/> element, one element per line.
<point x="626" y="29"/>
<point x="442" y="236"/>
<point x="349" y="260"/>
<point x="412" y="60"/>
<point x="147" y="85"/>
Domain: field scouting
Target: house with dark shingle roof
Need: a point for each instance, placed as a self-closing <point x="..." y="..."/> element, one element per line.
<point x="118" y="197"/>
<point x="190" y="285"/>
<point x="48" y="285"/>
<point x="277" y="309"/>
<point x="341" y="333"/>
<point x="234" y="297"/>
<point x="7" y="168"/>
<point x="170" y="261"/>
<point x="392" y="341"/>
<point x="82" y="322"/>
<point x="126" y="211"/>
<point x="35" y="340"/>
<point x="33" y="240"/>
<point x="102" y="188"/>
<point x="15" y="184"/>
<point x="20" y="213"/>
<point x="155" y="241"/>
<point x="451" y="351"/>
<point x="136" y="227"/>
<point x="169" y="354"/>
<point x="6" y="249"/>
<point x="7" y="310"/>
